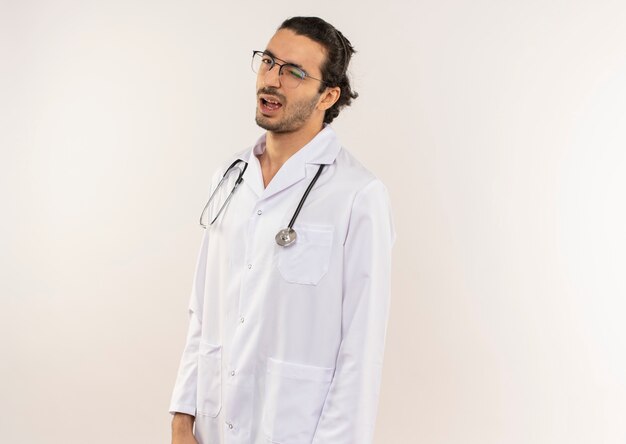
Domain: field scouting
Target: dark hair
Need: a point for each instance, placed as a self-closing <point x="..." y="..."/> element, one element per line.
<point x="339" y="51"/>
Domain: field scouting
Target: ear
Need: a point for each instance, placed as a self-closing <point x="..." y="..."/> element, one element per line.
<point x="328" y="98"/>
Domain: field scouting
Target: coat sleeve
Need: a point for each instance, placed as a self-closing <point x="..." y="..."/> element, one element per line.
<point x="184" y="394"/>
<point x="349" y="412"/>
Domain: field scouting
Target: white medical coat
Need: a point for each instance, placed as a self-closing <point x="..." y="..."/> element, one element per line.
<point x="285" y="344"/>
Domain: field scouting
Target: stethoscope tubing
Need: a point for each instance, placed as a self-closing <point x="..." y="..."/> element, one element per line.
<point x="304" y="196"/>
<point x="230" y="195"/>
<point x="285" y="236"/>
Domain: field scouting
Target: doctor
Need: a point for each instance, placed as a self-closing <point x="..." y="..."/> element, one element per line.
<point x="286" y="337"/>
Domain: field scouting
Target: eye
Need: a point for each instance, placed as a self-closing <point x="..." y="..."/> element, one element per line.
<point x="267" y="60"/>
<point x="295" y="72"/>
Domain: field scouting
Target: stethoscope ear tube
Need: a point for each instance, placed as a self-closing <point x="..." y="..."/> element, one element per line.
<point x="230" y="195"/>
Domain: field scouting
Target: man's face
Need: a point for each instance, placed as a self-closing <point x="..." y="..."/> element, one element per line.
<point x="281" y="109"/>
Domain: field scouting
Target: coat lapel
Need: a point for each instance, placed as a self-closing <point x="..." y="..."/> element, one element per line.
<point x="322" y="149"/>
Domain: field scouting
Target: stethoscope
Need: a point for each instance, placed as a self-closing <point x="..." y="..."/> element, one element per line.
<point x="286" y="236"/>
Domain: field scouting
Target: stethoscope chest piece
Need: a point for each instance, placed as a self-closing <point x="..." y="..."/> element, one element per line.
<point x="286" y="237"/>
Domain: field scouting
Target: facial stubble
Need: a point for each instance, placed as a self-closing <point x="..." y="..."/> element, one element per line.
<point x="293" y="119"/>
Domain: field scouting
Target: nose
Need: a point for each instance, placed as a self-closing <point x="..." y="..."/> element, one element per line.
<point x="272" y="77"/>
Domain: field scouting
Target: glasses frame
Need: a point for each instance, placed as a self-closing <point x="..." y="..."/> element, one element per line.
<point x="281" y="66"/>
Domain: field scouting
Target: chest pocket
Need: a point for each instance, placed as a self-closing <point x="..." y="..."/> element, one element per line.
<point x="307" y="260"/>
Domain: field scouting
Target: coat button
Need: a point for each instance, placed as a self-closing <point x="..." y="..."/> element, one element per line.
<point x="249" y="266"/>
<point x="259" y="212"/>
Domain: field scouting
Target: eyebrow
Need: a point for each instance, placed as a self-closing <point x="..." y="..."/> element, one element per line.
<point x="270" y="53"/>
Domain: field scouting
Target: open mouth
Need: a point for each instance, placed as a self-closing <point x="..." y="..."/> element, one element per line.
<point x="269" y="105"/>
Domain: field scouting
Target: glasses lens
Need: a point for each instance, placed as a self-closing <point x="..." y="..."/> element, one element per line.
<point x="291" y="76"/>
<point x="261" y="62"/>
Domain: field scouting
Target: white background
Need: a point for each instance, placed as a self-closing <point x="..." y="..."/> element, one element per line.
<point x="499" y="128"/>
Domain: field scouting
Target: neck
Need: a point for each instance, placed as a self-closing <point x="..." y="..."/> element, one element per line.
<point x="279" y="147"/>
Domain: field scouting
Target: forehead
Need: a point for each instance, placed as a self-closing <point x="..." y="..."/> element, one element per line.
<point x="297" y="49"/>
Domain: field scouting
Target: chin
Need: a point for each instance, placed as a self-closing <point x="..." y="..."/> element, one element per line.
<point x="274" y="127"/>
<point x="263" y="123"/>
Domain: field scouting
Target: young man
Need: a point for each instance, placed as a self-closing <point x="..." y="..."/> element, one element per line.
<point x="289" y="305"/>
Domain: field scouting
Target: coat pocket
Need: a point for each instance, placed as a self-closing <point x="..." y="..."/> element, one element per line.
<point x="294" y="398"/>
<point x="209" y="395"/>
<point x="307" y="260"/>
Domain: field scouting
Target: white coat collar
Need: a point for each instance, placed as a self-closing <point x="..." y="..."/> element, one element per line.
<point x="322" y="149"/>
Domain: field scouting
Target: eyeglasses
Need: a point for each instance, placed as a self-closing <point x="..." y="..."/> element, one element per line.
<point x="290" y="75"/>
